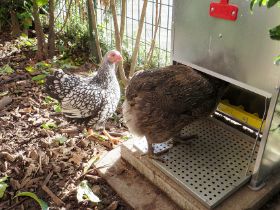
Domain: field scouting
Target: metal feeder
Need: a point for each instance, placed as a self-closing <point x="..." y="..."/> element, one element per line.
<point x="231" y="43"/>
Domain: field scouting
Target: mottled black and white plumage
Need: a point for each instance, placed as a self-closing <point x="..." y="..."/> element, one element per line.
<point x="160" y="102"/>
<point x="89" y="99"/>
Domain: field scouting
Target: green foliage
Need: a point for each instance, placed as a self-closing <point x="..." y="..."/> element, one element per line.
<point x="271" y="3"/>
<point x="274" y="32"/>
<point x="90" y="162"/>
<point x="57" y="108"/>
<point x="6" y="69"/>
<point x="30" y="69"/>
<point x="26" y="19"/>
<point x="3" y="186"/>
<point x="84" y="193"/>
<point x="51" y="101"/>
<point x="4" y="13"/>
<point x="49" y="125"/>
<point x="60" y="140"/>
<point x="41" y="3"/>
<point x="43" y="204"/>
<point x="39" y="79"/>
<point x="24" y="41"/>
<point x="125" y="138"/>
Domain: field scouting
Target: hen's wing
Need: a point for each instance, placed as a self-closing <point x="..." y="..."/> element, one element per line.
<point x="83" y="101"/>
<point x="60" y="84"/>
<point x="177" y="89"/>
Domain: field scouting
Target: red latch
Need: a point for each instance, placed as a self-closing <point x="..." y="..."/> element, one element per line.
<point x="223" y="10"/>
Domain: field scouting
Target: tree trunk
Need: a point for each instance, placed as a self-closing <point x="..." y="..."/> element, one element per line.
<point x="51" y="38"/>
<point x="123" y="17"/>
<point x="41" y="52"/>
<point x="15" y="24"/>
<point x="157" y="21"/>
<point x="92" y="47"/>
<point x="138" y="37"/>
<point x="118" y="41"/>
<point x="94" y="27"/>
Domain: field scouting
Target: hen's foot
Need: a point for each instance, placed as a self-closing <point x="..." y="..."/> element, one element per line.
<point x="153" y="155"/>
<point x="113" y="140"/>
<point x="90" y="132"/>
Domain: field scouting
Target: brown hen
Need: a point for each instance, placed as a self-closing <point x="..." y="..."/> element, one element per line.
<point x="160" y="102"/>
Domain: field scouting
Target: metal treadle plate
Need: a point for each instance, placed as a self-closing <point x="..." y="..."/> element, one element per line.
<point x="212" y="166"/>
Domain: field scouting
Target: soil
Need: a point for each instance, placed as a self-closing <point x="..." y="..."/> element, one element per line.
<point x="50" y="161"/>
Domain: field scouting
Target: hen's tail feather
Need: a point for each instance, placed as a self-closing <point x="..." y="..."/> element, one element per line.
<point x="54" y="84"/>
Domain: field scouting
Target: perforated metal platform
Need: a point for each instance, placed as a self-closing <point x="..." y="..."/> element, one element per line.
<point x="210" y="167"/>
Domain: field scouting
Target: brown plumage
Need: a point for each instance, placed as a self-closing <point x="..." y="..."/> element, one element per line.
<point x="160" y="102"/>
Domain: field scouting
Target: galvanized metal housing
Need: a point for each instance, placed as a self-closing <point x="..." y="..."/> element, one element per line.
<point x="241" y="52"/>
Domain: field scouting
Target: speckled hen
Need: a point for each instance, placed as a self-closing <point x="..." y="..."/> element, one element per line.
<point x="160" y="102"/>
<point x="91" y="100"/>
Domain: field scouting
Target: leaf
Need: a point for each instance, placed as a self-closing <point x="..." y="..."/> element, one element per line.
<point x="30" y="69"/>
<point x="3" y="179"/>
<point x="39" y="77"/>
<point x="41" y="3"/>
<point x="262" y="2"/>
<point x="277" y="60"/>
<point x="125" y="138"/>
<point x="43" y="204"/>
<point x="57" y="108"/>
<point x="252" y="3"/>
<point x="42" y="65"/>
<point x="3" y="186"/>
<point x="49" y="125"/>
<point x="61" y="139"/>
<point x="275" y="33"/>
<point x="6" y="69"/>
<point x="271" y="3"/>
<point x="49" y="100"/>
<point x="23" y="36"/>
<point x="90" y="162"/>
<point x="85" y="193"/>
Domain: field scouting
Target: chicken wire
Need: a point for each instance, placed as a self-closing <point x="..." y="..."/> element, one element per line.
<point x="162" y="52"/>
<point x="133" y="12"/>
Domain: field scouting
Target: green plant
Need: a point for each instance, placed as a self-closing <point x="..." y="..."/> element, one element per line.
<point x="275" y="31"/>
<point x="6" y="69"/>
<point x="3" y="185"/>
<point x="43" y="204"/>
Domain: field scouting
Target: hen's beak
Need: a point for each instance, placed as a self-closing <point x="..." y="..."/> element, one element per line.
<point x="118" y="58"/>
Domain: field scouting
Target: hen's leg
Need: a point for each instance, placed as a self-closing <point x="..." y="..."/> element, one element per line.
<point x="90" y="132"/>
<point x="112" y="139"/>
<point x="151" y="153"/>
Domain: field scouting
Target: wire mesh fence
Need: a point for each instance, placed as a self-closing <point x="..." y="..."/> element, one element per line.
<point x="162" y="50"/>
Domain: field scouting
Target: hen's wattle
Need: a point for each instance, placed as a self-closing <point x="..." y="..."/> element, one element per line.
<point x="92" y="99"/>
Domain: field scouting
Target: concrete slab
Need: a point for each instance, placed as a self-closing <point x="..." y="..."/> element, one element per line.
<point x="130" y="185"/>
<point x="244" y="198"/>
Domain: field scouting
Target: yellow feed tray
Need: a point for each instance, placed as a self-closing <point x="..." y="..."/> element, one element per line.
<point x="238" y="113"/>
